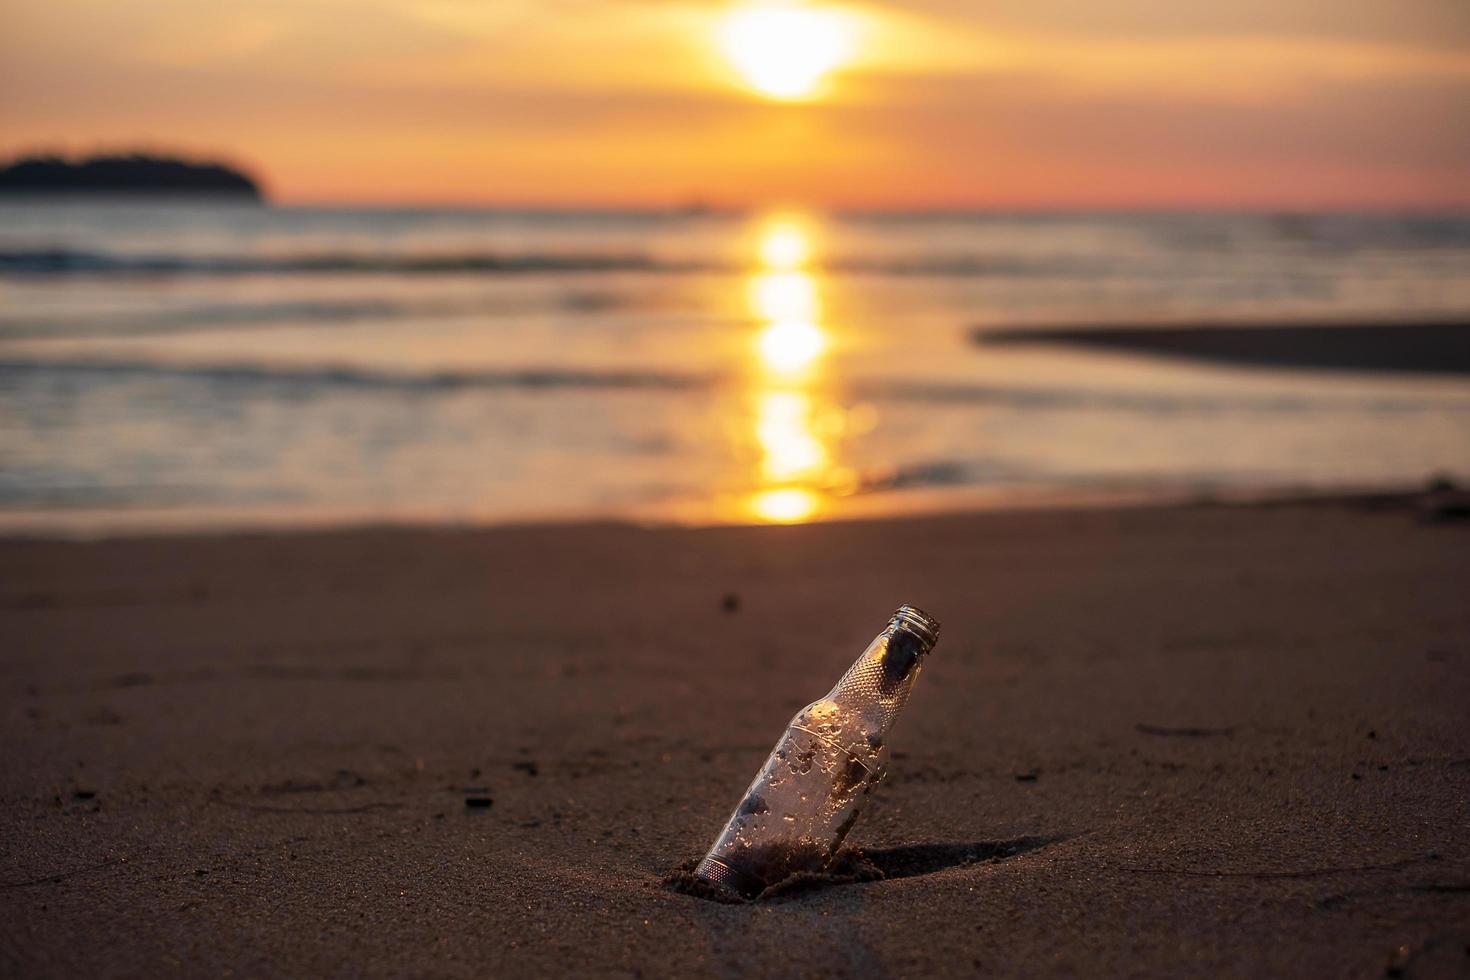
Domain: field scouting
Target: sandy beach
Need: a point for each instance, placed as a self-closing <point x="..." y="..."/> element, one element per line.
<point x="1208" y="741"/>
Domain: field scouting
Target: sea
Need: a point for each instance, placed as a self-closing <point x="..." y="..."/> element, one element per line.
<point x="169" y="365"/>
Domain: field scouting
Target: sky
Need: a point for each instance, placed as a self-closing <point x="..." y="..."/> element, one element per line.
<point x="925" y="104"/>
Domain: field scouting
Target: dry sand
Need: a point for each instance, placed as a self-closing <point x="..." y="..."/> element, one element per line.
<point x="1179" y="741"/>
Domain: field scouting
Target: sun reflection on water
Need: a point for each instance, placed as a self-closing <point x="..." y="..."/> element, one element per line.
<point x="785" y="243"/>
<point x="792" y="346"/>
<point x="784" y="296"/>
<point x="794" y="426"/>
<point x="789" y="505"/>
<point x="790" y="443"/>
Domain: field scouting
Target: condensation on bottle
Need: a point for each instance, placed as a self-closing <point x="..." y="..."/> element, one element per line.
<point x="813" y="785"/>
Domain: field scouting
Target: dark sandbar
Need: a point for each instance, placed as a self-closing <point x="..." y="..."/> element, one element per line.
<point x="1429" y="348"/>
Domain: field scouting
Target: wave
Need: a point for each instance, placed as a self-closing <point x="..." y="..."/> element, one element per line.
<point x="297" y="380"/>
<point x="195" y="319"/>
<point x="64" y="261"/>
<point x="228" y="316"/>
<point x="351" y="377"/>
<point x="1060" y="398"/>
<point x="82" y="262"/>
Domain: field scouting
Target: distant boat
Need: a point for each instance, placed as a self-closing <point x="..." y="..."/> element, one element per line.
<point x="129" y="174"/>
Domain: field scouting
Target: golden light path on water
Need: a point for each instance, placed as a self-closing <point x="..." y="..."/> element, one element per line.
<point x="795" y="427"/>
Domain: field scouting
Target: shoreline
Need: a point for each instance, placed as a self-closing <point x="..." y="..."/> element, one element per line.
<point x="124" y="524"/>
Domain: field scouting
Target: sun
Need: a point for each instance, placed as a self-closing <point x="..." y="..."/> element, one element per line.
<point x="785" y="50"/>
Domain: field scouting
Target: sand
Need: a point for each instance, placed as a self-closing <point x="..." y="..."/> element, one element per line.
<point x="1197" y="741"/>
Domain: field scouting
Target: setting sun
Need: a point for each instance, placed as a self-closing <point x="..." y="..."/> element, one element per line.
<point x="786" y="50"/>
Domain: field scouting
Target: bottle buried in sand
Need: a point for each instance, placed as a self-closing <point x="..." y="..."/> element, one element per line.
<point x="809" y="793"/>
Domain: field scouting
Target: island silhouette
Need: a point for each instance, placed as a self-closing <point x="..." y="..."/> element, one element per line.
<point x="125" y="174"/>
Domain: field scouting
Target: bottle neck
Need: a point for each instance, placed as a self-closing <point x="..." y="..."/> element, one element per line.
<point x="916" y="623"/>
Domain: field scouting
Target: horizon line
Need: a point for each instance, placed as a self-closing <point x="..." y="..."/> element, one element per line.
<point x="696" y="208"/>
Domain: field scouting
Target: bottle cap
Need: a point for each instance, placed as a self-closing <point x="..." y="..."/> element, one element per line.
<point x="917" y="622"/>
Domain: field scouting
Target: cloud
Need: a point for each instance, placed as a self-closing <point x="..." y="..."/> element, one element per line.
<point x="1439" y="24"/>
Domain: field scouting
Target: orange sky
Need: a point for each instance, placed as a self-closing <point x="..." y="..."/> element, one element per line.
<point x="937" y="103"/>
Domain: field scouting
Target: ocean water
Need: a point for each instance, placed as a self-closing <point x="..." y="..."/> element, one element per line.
<point x="200" y="366"/>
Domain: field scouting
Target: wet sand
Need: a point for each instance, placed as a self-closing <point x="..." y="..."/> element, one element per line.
<point x="1418" y="348"/>
<point x="1159" y="742"/>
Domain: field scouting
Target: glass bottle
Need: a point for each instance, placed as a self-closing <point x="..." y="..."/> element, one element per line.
<point x="808" y="794"/>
